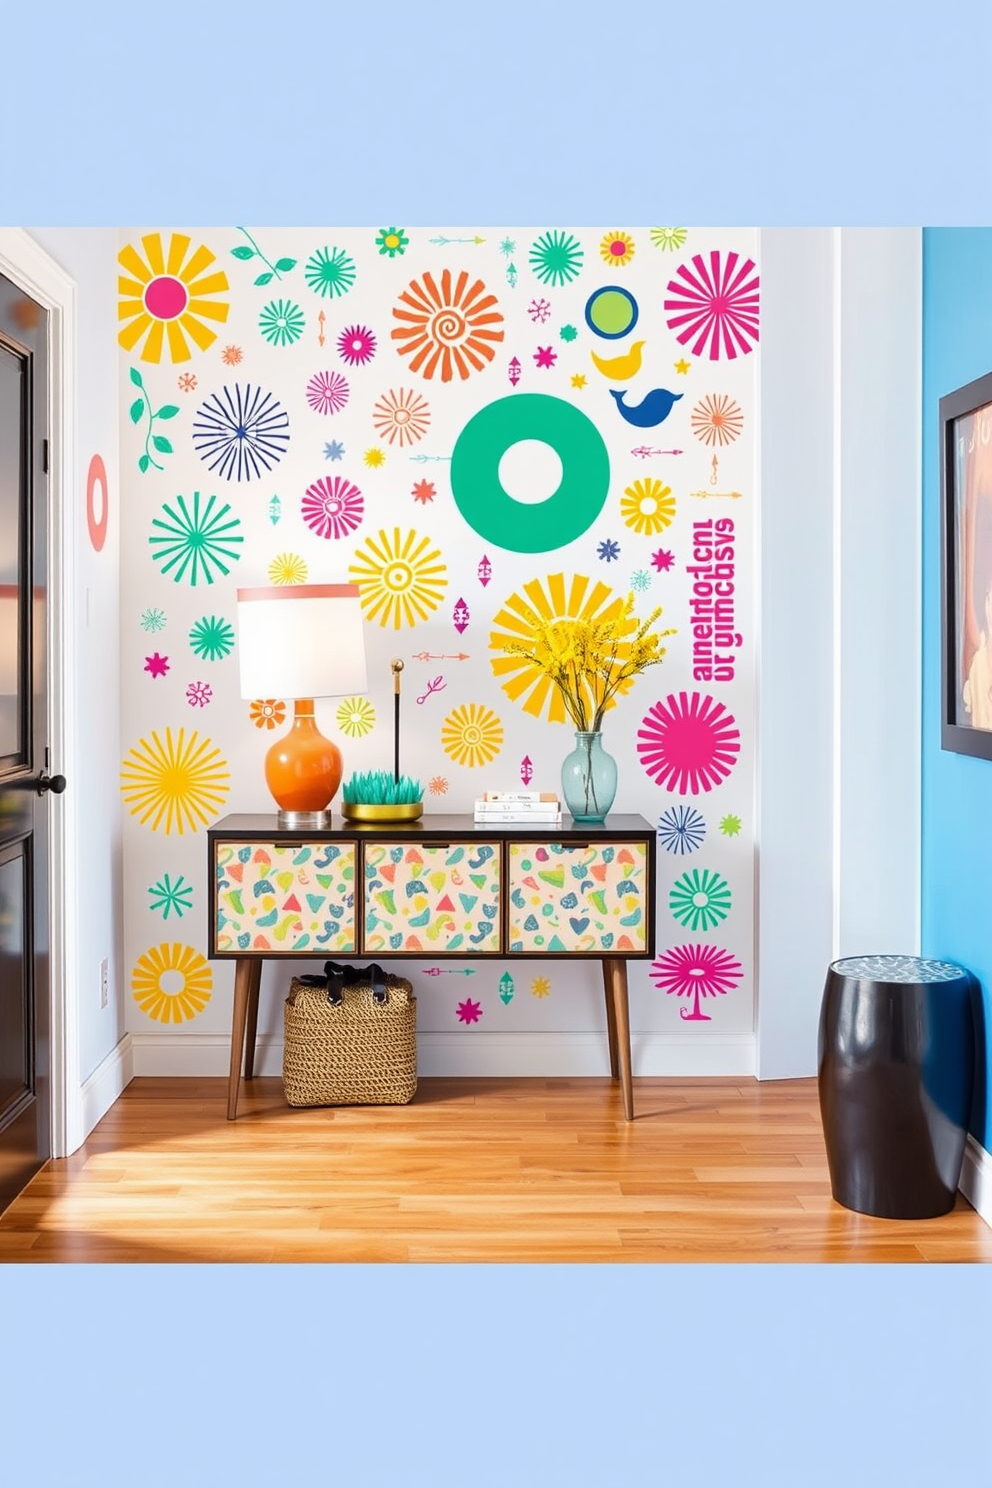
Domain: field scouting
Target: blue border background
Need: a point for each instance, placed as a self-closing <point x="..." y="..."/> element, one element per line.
<point x="465" y="1377"/>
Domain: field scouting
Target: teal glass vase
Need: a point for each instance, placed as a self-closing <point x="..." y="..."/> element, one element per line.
<point x="589" y="779"/>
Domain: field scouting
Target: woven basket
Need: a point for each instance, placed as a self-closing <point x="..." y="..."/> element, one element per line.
<point x="361" y="1052"/>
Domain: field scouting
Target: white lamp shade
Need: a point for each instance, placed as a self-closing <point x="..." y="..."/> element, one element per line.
<point x="301" y="641"/>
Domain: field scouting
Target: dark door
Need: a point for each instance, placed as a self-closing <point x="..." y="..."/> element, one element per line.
<point x="25" y="1097"/>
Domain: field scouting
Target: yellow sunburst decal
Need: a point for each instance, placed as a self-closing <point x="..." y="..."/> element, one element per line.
<point x="168" y="297"/>
<point x="356" y="717"/>
<point x="648" y="506"/>
<point x="401" y="578"/>
<point x="176" y="784"/>
<point x="472" y="735"/>
<point x="167" y="963"/>
<point x="287" y="568"/>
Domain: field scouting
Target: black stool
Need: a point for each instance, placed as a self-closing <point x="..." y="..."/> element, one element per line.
<point x="896" y="1067"/>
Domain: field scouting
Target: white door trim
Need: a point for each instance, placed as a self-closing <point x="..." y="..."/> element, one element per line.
<point x="27" y="265"/>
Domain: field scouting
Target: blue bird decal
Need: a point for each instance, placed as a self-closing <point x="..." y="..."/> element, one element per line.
<point x="653" y="408"/>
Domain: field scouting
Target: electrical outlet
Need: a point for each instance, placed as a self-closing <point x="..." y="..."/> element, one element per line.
<point x="104" y="982"/>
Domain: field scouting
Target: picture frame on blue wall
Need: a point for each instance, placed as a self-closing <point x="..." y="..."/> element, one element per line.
<point x="966" y="568"/>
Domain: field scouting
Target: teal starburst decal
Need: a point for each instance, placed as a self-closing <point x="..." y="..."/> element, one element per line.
<point x="169" y="897"/>
<point x="556" y="258"/>
<point x="568" y="333"/>
<point x="330" y="272"/>
<point x="193" y="543"/>
<point x="212" y="638"/>
<point x="700" y="899"/>
<point x="281" y="322"/>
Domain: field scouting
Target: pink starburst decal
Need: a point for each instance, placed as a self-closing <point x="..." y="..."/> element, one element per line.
<point x="156" y="665"/>
<point x="356" y="345"/>
<point x="688" y="743"/>
<point x="662" y="560"/>
<point x="545" y="356"/>
<point x="469" y="1011"/>
<point x="327" y="392"/>
<point x="696" y="971"/>
<point x="715" y="305"/>
<point x="332" y="506"/>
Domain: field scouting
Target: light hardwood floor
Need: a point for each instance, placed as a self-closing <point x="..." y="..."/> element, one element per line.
<point x="471" y="1170"/>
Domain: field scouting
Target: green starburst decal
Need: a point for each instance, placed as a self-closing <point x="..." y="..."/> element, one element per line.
<point x="193" y="543"/>
<point x="212" y="638"/>
<point x="281" y="322"/>
<point x="556" y="258"/>
<point x="168" y="896"/>
<point x="730" y="825"/>
<point x="330" y="272"/>
<point x="700" y="899"/>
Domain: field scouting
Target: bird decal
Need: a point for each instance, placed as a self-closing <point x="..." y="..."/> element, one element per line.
<point x="620" y="368"/>
<point x="653" y="408"/>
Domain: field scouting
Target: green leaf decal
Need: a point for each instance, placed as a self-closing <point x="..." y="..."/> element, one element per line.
<point x="136" y="377"/>
<point x="285" y="264"/>
<point x="169" y="411"/>
<point x="137" y="409"/>
<point x="144" y="463"/>
<point x="162" y="445"/>
<point x="243" y="252"/>
<point x="263" y="279"/>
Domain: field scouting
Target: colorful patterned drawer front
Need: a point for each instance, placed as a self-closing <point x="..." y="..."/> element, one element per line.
<point x="578" y="898"/>
<point x="292" y="900"/>
<point x="424" y="898"/>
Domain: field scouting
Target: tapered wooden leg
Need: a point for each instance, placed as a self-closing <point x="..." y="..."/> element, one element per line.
<point x="252" y="1025"/>
<point x="618" y="981"/>
<point x="243" y="974"/>
<point x="611" y="1021"/>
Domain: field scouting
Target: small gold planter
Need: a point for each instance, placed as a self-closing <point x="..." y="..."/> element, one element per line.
<point x="401" y="811"/>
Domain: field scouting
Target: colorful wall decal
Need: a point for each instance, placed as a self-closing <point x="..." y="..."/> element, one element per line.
<point x="401" y="578"/>
<point x="717" y="419"/>
<point x="175" y="785"/>
<point x="700" y="899"/>
<point x="424" y="491"/>
<point x="478" y="490"/>
<point x="438" y="785"/>
<point x="330" y="272"/>
<point x="647" y="506"/>
<point x="621" y="368"/>
<point x="730" y="825"/>
<point x="356" y="345"/>
<point x="267" y="713"/>
<point x="97" y="507"/>
<point x="681" y="829"/>
<point x="186" y="382"/>
<point x="249" y="250"/>
<point x="436" y="684"/>
<point x="156" y="665"/>
<point x="288" y="568"/>
<point x="653" y="408"/>
<point x="540" y="986"/>
<point x="281" y="322"/>
<point x="153" y="619"/>
<point x="506" y="989"/>
<point x="688" y="743"/>
<point x="195" y="544"/>
<point x="715" y="305"/>
<point x="199" y="694"/>
<point x="327" y="392"/>
<point x="356" y="717"/>
<point x="451" y="326"/>
<point x="232" y="355"/>
<point x="167" y="298"/>
<point x="617" y="249"/>
<point x="401" y="416"/>
<point x="696" y="971"/>
<point x="332" y="506"/>
<point x="171" y="898"/>
<point x="472" y="735"/>
<point x="611" y="312"/>
<point x="468" y="1011"/>
<point x="241" y="432"/>
<point x="166" y="961"/>
<point x="556" y="257"/>
<point x="392" y="241"/>
<point x="141" y="408"/>
<point x="668" y="237"/>
<point x="212" y="638"/>
<point x="608" y="550"/>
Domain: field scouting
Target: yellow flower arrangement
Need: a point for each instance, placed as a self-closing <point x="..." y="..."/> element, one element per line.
<point x="590" y="661"/>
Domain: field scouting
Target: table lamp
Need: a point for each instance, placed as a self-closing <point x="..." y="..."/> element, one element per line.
<point x="301" y="642"/>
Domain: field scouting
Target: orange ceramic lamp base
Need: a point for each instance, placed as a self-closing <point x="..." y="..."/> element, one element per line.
<point x="303" y="769"/>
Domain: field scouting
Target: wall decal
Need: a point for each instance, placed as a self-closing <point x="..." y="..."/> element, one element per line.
<point x="212" y="638"/>
<point x="472" y="735"/>
<point x="717" y="419"/>
<point x="469" y="1011"/>
<point x="668" y="237"/>
<point x="484" y="572"/>
<point x="275" y="510"/>
<point x="611" y="312"/>
<point x="436" y="684"/>
<point x="640" y="580"/>
<point x="232" y="355"/>
<point x="715" y="305"/>
<point x="334" y="450"/>
<point x="267" y="713"/>
<point x="401" y="579"/>
<point x="526" y="769"/>
<point x="688" y="743"/>
<point x="199" y="694"/>
<point x="153" y="619"/>
<point x="617" y="249"/>
<point x="478" y="491"/>
<point x="442" y="242"/>
<point x="540" y="986"/>
<point x="460" y="616"/>
<point x="327" y="392"/>
<point x="451" y="326"/>
<point x="700" y="899"/>
<point x="171" y="898"/>
<point x="288" y="568"/>
<point x="196" y="543"/>
<point x="249" y="250"/>
<point x="513" y="371"/>
<point x="681" y="829"/>
<point x="662" y="559"/>
<point x="401" y="416"/>
<point x="241" y="432"/>
<point x="730" y="825"/>
<point x="186" y="382"/>
<point x="608" y="550"/>
<point x="653" y="408"/>
<point x="578" y="381"/>
<point x="620" y="368"/>
<point x="158" y="293"/>
<point x="356" y="717"/>
<point x="648" y="506"/>
<point x="281" y="322"/>
<point x="175" y="785"/>
<point x="140" y="409"/>
<point x="539" y="310"/>
<point x="682" y="366"/>
<point x="438" y="785"/>
<point x="97" y="508"/>
<point x="441" y="656"/>
<point x="330" y="272"/>
<point x="392" y="241"/>
<point x="424" y="491"/>
<point x="166" y="960"/>
<point x="506" y="989"/>
<point x="156" y="665"/>
<point x="332" y="506"/>
<point x="356" y="345"/>
<point x="374" y="458"/>
<point x="645" y="451"/>
<point x="555" y="257"/>
<point x="696" y="971"/>
<point x="545" y="356"/>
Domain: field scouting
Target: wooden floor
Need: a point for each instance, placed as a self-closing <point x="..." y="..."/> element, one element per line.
<point x="471" y="1170"/>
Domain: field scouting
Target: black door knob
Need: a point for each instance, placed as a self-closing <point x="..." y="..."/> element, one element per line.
<point x="53" y="783"/>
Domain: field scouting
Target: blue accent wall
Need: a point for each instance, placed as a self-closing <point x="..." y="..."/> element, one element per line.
<point x="957" y="790"/>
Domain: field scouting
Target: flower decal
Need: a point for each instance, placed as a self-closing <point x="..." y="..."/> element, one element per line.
<point x="267" y="713"/>
<point x="472" y="735"/>
<point x="401" y="577"/>
<point x="332" y="506"/>
<point x="167" y="297"/>
<point x="161" y="1003"/>
<point x="688" y="743"/>
<point x="401" y="417"/>
<point x="449" y="327"/>
<point x="392" y="241"/>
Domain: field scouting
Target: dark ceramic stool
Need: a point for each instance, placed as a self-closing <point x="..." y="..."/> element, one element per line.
<point x="896" y="1066"/>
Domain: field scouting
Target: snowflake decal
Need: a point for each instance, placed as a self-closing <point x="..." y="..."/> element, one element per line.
<point x="171" y="897"/>
<point x="153" y="620"/>
<point x="539" y="310"/>
<point x="545" y="356"/>
<point x="187" y="382"/>
<point x="198" y="694"/>
<point x="469" y="1011"/>
<point x="212" y="638"/>
<point x="640" y="580"/>
<point x="156" y="665"/>
<point x="239" y="432"/>
<point x="608" y="550"/>
<point x="507" y="247"/>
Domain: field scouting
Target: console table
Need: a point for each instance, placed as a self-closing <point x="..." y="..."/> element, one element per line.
<point x="443" y="886"/>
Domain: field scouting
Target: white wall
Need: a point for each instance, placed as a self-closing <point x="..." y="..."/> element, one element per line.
<point x="839" y="684"/>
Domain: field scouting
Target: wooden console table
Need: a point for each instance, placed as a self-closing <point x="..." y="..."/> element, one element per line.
<point x="440" y="887"/>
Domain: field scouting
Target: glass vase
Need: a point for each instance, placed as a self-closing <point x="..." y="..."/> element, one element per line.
<point x="589" y="779"/>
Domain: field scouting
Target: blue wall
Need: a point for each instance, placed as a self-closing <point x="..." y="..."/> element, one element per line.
<point x="957" y="790"/>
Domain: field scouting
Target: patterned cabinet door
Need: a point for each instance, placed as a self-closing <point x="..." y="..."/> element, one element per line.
<point x="292" y="899"/>
<point x="579" y="897"/>
<point x="431" y="898"/>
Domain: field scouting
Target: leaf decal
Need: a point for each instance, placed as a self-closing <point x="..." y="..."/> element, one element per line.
<point x="244" y="252"/>
<point x="285" y="264"/>
<point x="168" y="411"/>
<point x="137" y="409"/>
<point x="161" y="444"/>
<point x="136" y="377"/>
<point x="262" y="279"/>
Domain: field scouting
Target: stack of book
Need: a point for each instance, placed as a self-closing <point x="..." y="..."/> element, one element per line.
<point x="500" y="808"/>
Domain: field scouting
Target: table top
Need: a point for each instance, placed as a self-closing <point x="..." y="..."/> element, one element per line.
<point x="907" y="969"/>
<point x="438" y="827"/>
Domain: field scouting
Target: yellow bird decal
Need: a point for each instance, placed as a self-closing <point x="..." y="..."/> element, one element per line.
<point x="619" y="369"/>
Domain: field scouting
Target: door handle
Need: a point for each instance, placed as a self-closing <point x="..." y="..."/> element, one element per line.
<point x="45" y="782"/>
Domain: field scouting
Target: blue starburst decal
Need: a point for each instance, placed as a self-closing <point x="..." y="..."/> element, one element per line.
<point x="239" y="432"/>
<point x="334" y="450"/>
<point x="608" y="550"/>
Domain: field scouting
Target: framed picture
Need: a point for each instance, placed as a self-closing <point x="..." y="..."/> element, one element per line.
<point x="966" y="569"/>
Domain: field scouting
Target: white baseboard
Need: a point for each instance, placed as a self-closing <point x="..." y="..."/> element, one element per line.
<point x="476" y="1054"/>
<point x="976" y="1178"/>
<point x="98" y="1093"/>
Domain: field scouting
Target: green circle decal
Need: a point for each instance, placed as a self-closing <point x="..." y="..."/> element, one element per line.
<point x="611" y="312"/>
<point x="517" y="525"/>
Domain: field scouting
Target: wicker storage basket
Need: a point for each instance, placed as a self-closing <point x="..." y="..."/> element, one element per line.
<point x="350" y="1039"/>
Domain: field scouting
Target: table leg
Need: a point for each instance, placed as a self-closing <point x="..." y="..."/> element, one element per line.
<point x="252" y="1024"/>
<point x="243" y="974"/>
<point x="617" y="969"/>
<point x="611" y="1021"/>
